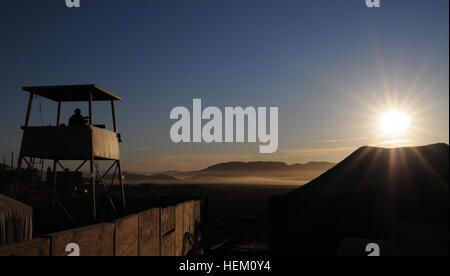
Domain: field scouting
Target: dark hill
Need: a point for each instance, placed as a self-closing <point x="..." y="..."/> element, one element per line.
<point x="361" y="197"/>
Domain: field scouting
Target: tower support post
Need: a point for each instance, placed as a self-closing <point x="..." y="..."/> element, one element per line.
<point x="92" y="182"/>
<point x="19" y="162"/>
<point x="53" y="189"/>
<point x="122" y="189"/>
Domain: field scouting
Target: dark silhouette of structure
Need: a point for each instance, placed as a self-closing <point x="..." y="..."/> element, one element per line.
<point x="363" y="197"/>
<point x="87" y="143"/>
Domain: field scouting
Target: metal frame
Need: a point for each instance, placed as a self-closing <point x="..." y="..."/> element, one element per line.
<point x="95" y="176"/>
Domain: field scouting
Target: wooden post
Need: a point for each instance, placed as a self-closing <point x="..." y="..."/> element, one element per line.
<point x="55" y="162"/>
<point x="30" y="103"/>
<point x="113" y="111"/>
<point x="90" y="109"/>
<point x="54" y="183"/>
<point x="121" y="184"/>
<point x="118" y="161"/>
<point x="12" y="159"/>
<point x="92" y="180"/>
<point x="19" y="162"/>
<point x="92" y="171"/>
<point x="58" y="116"/>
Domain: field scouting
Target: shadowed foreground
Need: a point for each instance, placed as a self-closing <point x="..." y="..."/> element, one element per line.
<point x="363" y="197"/>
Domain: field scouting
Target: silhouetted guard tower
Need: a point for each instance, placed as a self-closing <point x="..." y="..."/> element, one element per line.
<point x="85" y="143"/>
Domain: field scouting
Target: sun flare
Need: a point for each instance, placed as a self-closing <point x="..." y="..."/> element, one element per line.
<point x="395" y="123"/>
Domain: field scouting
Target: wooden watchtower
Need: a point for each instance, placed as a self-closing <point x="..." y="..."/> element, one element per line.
<point x="87" y="143"/>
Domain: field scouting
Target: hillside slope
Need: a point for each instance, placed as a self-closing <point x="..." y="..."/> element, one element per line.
<point x="361" y="197"/>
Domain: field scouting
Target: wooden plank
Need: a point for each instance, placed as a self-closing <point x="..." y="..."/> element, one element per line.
<point x="187" y="222"/>
<point x="179" y="230"/>
<point x="127" y="236"/>
<point x="168" y="244"/>
<point x="197" y="218"/>
<point x="197" y="215"/>
<point x="190" y="211"/>
<point x="149" y="233"/>
<point x="167" y="220"/>
<point x="94" y="240"/>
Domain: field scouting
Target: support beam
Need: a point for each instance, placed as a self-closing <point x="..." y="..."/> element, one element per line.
<point x="56" y="199"/>
<point x="28" y="163"/>
<point x="113" y="111"/>
<point x="30" y="104"/>
<point x="100" y="181"/>
<point x="17" y="178"/>
<point x="42" y="170"/>
<point x="121" y="183"/>
<point x="62" y="167"/>
<point x="19" y="162"/>
<point x="81" y="165"/>
<point x="55" y="162"/>
<point x="91" y="120"/>
<point x="114" y="174"/>
<point x="58" y="116"/>
<point x="92" y="180"/>
<point x="92" y="164"/>
<point x="107" y="171"/>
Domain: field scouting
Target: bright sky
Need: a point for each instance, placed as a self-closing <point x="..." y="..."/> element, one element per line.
<point x="335" y="69"/>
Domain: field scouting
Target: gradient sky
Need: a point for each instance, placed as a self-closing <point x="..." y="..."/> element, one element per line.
<point x="332" y="67"/>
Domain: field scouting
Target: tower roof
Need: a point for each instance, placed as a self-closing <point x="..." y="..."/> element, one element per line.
<point x="73" y="93"/>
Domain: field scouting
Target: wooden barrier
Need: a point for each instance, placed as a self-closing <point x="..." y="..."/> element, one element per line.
<point x="155" y="232"/>
<point x="168" y="244"/>
<point x="149" y="233"/>
<point x="196" y="213"/>
<point x="187" y="224"/>
<point x="179" y="230"/>
<point x="94" y="240"/>
<point x="127" y="236"/>
<point x="167" y="220"/>
<point x="186" y="216"/>
<point x="32" y="248"/>
<point x="355" y="247"/>
<point x="168" y="231"/>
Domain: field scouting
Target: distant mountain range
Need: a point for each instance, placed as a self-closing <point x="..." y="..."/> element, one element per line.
<point x="362" y="197"/>
<point x="240" y="169"/>
<point x="155" y="177"/>
<point x="162" y="177"/>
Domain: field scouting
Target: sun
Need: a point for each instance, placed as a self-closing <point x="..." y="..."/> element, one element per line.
<point x="395" y="123"/>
